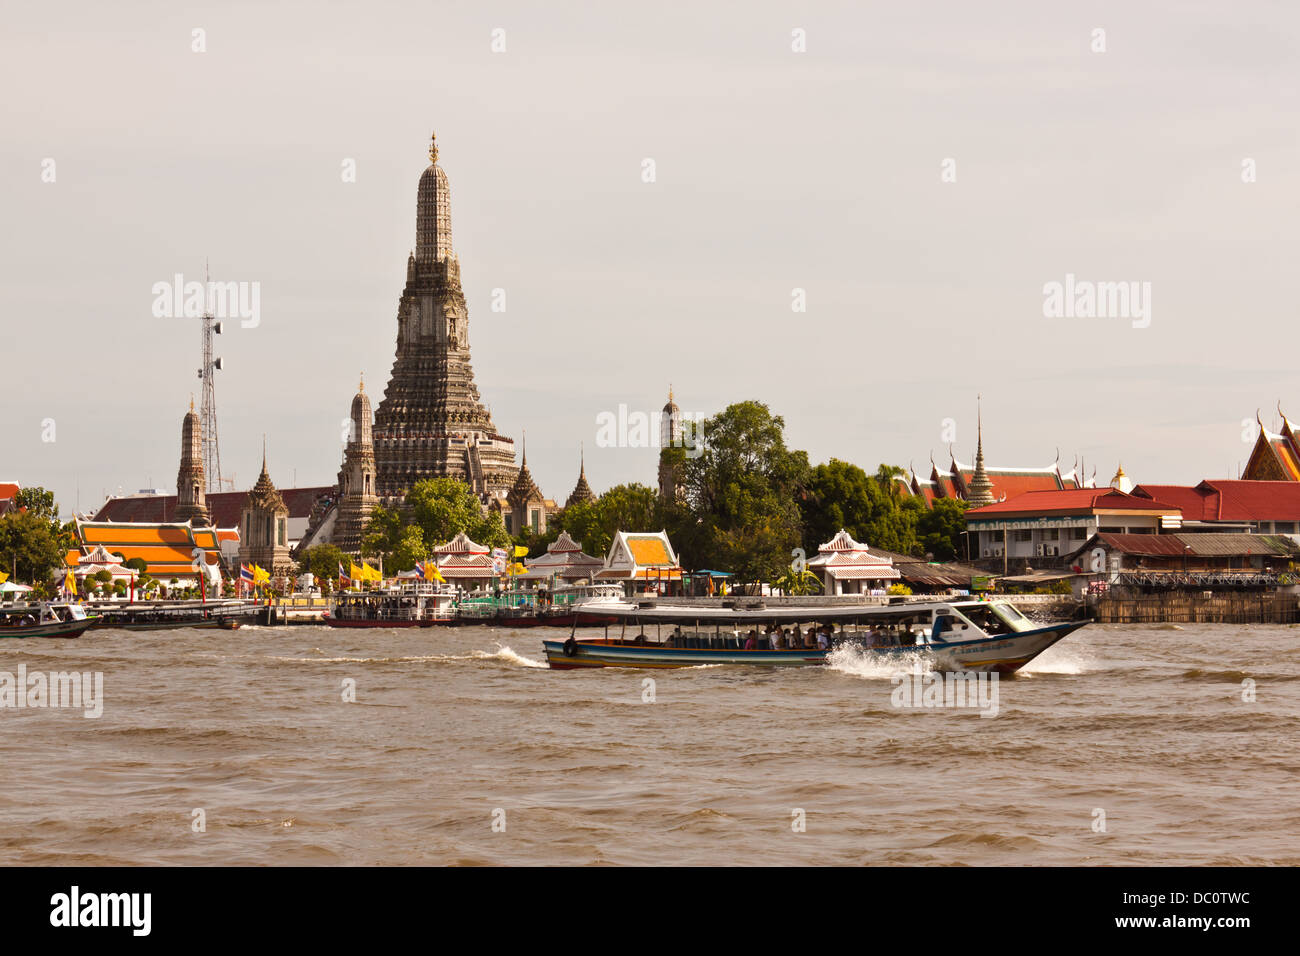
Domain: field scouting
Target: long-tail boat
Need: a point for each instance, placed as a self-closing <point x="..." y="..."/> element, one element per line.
<point x="965" y="635"/>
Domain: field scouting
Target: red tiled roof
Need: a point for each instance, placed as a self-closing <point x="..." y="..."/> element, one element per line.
<point x="1008" y="485"/>
<point x="1231" y="500"/>
<point x="8" y="489"/>
<point x="1071" y="501"/>
<point x="223" y="506"/>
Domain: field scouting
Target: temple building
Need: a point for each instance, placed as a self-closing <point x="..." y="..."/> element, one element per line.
<point x="564" y="562"/>
<point x="166" y="547"/>
<point x="357" y="497"/>
<point x="529" y="510"/>
<point x="264" y="529"/>
<point x="431" y="422"/>
<point x="848" y="567"/>
<point x="982" y="484"/>
<point x="190" y="503"/>
<point x="1276" y="456"/>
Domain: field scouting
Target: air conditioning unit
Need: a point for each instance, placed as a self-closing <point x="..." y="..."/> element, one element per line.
<point x="1038" y="550"/>
<point x="988" y="552"/>
<point x="1051" y="549"/>
<point x="997" y="552"/>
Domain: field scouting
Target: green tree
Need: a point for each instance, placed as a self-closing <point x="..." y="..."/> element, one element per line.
<point x="940" y="529"/>
<point x="742" y="484"/>
<point x="868" y="507"/>
<point x="29" y="545"/>
<point x="323" y="562"/>
<point x="631" y="507"/>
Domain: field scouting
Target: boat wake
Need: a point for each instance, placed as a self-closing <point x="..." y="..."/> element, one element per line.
<point x="1062" y="659"/>
<point x="506" y="655"/>
<point x="856" y="661"/>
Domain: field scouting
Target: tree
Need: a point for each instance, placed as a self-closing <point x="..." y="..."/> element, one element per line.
<point x="29" y="545"/>
<point x="843" y="495"/>
<point x="741" y="489"/>
<point x="940" y="528"/>
<point x="631" y="507"/>
<point x="323" y="563"/>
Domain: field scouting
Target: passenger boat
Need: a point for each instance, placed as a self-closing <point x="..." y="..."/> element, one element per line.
<point x="175" y="615"/>
<point x="966" y="635"/>
<point x="44" y="620"/>
<point x="412" y="603"/>
<point x="566" y="599"/>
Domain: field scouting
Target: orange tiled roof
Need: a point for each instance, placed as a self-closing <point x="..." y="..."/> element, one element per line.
<point x="649" y="552"/>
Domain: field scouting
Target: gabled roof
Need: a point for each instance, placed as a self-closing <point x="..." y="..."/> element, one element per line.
<point x="461" y="544"/>
<point x="1230" y="500"/>
<point x="641" y="555"/>
<point x="1070" y="502"/>
<point x="168" y="549"/>
<point x="224" y="507"/>
<point x="1205" y="544"/>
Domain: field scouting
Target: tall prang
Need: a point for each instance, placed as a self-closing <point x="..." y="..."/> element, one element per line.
<point x="670" y="459"/>
<point x="191" y="504"/>
<point x="431" y="422"/>
<point x="357" y="498"/>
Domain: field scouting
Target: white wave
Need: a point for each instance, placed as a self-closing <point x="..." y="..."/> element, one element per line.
<point x="1062" y="658"/>
<point x="857" y="661"/>
<point x="509" y="656"/>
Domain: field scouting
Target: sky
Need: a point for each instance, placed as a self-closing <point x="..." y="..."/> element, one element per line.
<point x="920" y="171"/>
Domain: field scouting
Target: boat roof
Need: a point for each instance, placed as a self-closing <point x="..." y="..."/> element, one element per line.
<point x="680" y="613"/>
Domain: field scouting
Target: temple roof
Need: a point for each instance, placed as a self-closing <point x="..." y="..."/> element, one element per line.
<point x="264" y="494"/>
<point x="581" y="491"/>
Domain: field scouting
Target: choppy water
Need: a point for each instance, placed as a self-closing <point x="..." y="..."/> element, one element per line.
<point x="451" y="726"/>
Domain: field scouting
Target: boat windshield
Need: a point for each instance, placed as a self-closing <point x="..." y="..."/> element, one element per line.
<point x="1014" y="619"/>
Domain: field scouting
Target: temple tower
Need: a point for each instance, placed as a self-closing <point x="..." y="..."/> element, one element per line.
<point x="581" y="491"/>
<point x="671" y="452"/>
<point x="431" y="422"/>
<point x="981" y="488"/>
<point x="264" y="528"/>
<point x="357" y="496"/>
<point x="191" y="502"/>
<point x="528" y="511"/>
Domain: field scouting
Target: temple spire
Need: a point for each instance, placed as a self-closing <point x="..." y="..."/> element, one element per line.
<point x="433" y="147"/>
<point x="981" y="488"/>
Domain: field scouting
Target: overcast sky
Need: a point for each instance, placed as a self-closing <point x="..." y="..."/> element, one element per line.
<point x="775" y="170"/>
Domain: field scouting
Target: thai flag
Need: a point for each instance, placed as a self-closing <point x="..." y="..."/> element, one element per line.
<point x="419" y="570"/>
<point x="343" y="575"/>
<point x="246" y="573"/>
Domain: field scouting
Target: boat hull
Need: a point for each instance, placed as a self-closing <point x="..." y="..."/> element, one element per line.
<point x="64" y="629"/>
<point x="1004" y="653"/>
<point x="376" y="623"/>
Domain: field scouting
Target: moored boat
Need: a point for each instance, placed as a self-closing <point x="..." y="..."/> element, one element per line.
<point x="45" y="619"/>
<point x="965" y="635"/>
<point x="175" y="615"/>
<point x="413" y="603"/>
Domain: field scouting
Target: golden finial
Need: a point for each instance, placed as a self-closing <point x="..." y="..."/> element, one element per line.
<point x="433" y="148"/>
<point x="191" y="401"/>
<point x="362" y="386"/>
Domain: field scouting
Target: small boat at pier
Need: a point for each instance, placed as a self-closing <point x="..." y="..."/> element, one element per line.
<point x="966" y="635"/>
<point x="46" y="619"/>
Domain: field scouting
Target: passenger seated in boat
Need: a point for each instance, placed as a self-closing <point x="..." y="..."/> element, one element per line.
<point x="823" y="638"/>
<point x="778" y="639"/>
<point x="810" y="637"/>
<point x="751" y="641"/>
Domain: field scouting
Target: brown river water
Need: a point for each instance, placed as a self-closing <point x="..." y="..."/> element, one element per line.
<point x="462" y="747"/>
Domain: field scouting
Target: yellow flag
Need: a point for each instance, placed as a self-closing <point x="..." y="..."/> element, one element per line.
<point x="518" y="568"/>
<point x="3" y="577"/>
<point x="431" y="571"/>
<point x="70" y="582"/>
<point x="356" y="573"/>
<point x="521" y="551"/>
<point x="372" y="574"/>
<point x="260" y="576"/>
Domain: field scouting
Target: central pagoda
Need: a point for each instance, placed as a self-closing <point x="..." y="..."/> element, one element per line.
<point x="431" y="422"/>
